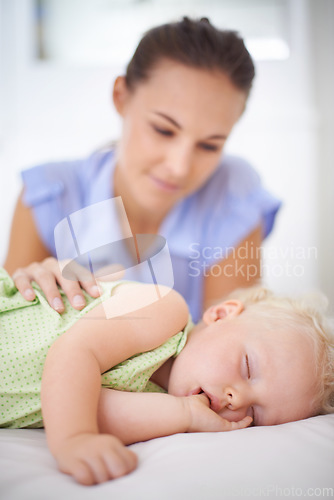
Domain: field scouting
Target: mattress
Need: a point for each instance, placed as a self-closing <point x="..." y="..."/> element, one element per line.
<point x="289" y="460"/>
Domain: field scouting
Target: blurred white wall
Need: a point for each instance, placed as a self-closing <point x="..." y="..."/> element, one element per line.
<point x="52" y="111"/>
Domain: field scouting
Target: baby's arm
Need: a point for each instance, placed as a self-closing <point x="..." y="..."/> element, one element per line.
<point x="71" y="383"/>
<point x="134" y="416"/>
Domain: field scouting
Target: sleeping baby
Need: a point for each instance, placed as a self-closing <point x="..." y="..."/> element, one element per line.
<point x="131" y="366"/>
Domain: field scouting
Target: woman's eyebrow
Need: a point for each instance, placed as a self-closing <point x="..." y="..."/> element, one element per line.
<point x="177" y="125"/>
<point x="169" y="118"/>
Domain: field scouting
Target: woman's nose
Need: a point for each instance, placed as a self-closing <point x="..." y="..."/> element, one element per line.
<point x="179" y="160"/>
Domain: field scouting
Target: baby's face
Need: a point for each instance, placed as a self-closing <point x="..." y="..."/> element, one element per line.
<point x="246" y="369"/>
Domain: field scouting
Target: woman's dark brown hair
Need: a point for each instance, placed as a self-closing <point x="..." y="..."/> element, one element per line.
<point x="195" y="43"/>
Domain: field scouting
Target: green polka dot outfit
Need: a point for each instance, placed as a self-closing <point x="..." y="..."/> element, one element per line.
<point x="27" y="330"/>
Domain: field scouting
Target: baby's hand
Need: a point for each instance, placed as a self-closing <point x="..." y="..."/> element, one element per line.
<point x="203" y="419"/>
<point x="95" y="458"/>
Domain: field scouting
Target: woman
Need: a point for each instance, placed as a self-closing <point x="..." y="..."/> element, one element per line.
<point x="184" y="89"/>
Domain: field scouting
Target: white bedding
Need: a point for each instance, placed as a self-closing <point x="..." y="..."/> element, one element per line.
<point x="290" y="460"/>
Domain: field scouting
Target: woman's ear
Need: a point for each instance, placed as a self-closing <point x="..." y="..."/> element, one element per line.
<point x="224" y="310"/>
<point x="120" y="94"/>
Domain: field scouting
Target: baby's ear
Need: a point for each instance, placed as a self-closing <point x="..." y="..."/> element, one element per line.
<point x="224" y="310"/>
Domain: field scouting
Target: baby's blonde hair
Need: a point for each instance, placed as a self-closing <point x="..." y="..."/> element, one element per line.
<point x="308" y="314"/>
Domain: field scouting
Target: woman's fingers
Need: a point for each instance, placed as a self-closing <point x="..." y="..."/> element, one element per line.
<point x="48" y="275"/>
<point x="73" y="278"/>
<point x="46" y="279"/>
<point x="74" y="274"/>
<point x="22" y="282"/>
<point x="39" y="273"/>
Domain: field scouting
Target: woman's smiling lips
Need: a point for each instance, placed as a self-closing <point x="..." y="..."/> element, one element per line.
<point x="164" y="185"/>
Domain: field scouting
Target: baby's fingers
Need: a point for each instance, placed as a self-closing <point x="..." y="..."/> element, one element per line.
<point x="82" y="473"/>
<point x="79" y="469"/>
<point x="111" y="465"/>
<point x="99" y="469"/>
<point x="242" y="424"/>
<point x="120" y="464"/>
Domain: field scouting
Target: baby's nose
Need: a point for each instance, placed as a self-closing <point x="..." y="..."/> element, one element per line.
<point x="236" y="398"/>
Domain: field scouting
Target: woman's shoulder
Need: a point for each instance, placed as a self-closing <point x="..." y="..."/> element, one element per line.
<point x="55" y="171"/>
<point x="51" y="179"/>
<point x="54" y="190"/>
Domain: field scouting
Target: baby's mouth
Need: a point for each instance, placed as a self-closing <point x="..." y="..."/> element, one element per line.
<point x="205" y="394"/>
<point x="214" y="403"/>
<point x="213" y="400"/>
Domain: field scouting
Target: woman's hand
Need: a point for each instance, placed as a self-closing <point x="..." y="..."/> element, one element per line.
<point x="48" y="275"/>
<point x="95" y="458"/>
<point x="203" y="419"/>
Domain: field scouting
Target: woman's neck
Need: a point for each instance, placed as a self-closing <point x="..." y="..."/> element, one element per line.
<point x="142" y="220"/>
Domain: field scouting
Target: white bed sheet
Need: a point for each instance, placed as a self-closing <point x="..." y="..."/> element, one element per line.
<point x="290" y="460"/>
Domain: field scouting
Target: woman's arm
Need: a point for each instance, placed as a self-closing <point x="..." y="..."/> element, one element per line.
<point x="25" y="245"/>
<point x="242" y="268"/>
<point x="71" y="382"/>
<point x="29" y="260"/>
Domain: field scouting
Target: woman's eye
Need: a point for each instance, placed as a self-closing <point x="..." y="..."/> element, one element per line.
<point x="163" y="131"/>
<point x="209" y="147"/>
<point x="247" y="365"/>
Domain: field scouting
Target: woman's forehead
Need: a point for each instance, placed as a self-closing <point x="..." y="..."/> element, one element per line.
<point x="181" y="79"/>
